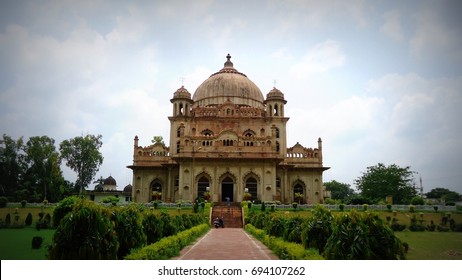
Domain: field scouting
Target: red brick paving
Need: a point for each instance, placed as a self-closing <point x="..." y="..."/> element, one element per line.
<point x="227" y="244"/>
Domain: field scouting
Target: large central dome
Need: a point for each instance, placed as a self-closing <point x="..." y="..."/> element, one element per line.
<point x="228" y="84"/>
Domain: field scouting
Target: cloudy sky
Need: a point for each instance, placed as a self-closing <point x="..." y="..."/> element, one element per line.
<point x="378" y="81"/>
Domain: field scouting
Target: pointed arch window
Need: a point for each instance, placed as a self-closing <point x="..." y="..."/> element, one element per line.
<point x="252" y="186"/>
<point x="202" y="186"/>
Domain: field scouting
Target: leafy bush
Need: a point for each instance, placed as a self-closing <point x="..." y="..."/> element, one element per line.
<point x="341" y="207"/>
<point x="37" y="242"/>
<point x="111" y="199"/>
<point x="389" y="207"/>
<point x="317" y="229"/>
<point x="86" y="233"/>
<point x="23" y="203"/>
<point x="417" y="200"/>
<point x="275" y="226"/>
<point x="129" y="228"/>
<point x="64" y="206"/>
<point x="293" y="230"/>
<point x="362" y="236"/>
<point x="412" y="208"/>
<point x="153" y="227"/>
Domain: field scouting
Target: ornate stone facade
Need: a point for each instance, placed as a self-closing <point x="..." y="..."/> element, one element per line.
<point x="227" y="140"/>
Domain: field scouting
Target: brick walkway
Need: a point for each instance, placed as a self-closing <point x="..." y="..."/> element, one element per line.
<point x="227" y="244"/>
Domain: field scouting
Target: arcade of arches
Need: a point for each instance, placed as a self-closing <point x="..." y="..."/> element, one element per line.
<point x="227" y="140"/>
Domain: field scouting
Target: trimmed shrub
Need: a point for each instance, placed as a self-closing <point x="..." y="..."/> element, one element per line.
<point x="416" y="225"/>
<point x="23" y="203"/>
<point x="37" y="242"/>
<point x="341" y="207"/>
<point x="412" y="208"/>
<point x="283" y="249"/>
<point x="8" y="220"/>
<point x="365" y="206"/>
<point x="389" y="207"/>
<point x="168" y="247"/>
<point x="28" y="220"/>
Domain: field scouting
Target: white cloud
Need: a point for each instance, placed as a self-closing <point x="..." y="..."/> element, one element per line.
<point x="392" y="26"/>
<point x="320" y="58"/>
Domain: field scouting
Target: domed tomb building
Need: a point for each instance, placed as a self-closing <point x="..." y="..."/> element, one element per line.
<point x="227" y="140"/>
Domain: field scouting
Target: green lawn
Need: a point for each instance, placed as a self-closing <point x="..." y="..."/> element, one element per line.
<point x="432" y="245"/>
<point x="16" y="244"/>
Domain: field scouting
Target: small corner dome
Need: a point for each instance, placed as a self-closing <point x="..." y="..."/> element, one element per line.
<point x="182" y="92"/>
<point x="228" y="84"/>
<point x="109" y="181"/>
<point x="275" y="94"/>
<point x="128" y="188"/>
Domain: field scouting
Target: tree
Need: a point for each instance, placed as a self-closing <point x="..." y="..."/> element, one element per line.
<point x="43" y="174"/>
<point x="83" y="156"/>
<point x="11" y="166"/>
<point x="158" y="139"/>
<point x="381" y="181"/>
<point x="339" y="190"/>
<point x="443" y="193"/>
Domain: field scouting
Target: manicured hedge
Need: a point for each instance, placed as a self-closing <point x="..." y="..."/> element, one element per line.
<point x="170" y="246"/>
<point x="283" y="249"/>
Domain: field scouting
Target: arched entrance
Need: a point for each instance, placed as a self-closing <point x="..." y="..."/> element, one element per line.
<point x="156" y="190"/>
<point x="202" y="186"/>
<point x="251" y="186"/>
<point x="299" y="193"/>
<point x="227" y="189"/>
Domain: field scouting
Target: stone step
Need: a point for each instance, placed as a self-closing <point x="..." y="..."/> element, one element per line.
<point x="232" y="216"/>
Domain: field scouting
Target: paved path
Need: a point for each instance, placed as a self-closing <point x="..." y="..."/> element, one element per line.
<point x="227" y="244"/>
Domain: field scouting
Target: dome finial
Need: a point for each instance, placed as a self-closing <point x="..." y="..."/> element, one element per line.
<point x="228" y="62"/>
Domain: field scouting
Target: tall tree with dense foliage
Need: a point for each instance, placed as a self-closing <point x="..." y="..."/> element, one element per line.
<point x="83" y="156"/>
<point x="43" y="176"/>
<point x="443" y="193"/>
<point x="380" y="181"/>
<point x="11" y="166"/>
<point x="339" y="190"/>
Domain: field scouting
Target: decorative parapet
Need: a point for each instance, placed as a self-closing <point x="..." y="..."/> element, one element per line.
<point x="298" y="151"/>
<point x="151" y="155"/>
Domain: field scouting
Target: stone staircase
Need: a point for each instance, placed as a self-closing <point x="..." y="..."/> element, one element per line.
<point x="231" y="215"/>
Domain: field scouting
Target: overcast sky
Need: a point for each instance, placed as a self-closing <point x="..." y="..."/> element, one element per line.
<point x="378" y="81"/>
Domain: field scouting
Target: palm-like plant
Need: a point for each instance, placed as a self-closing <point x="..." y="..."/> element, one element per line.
<point x="299" y="197"/>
